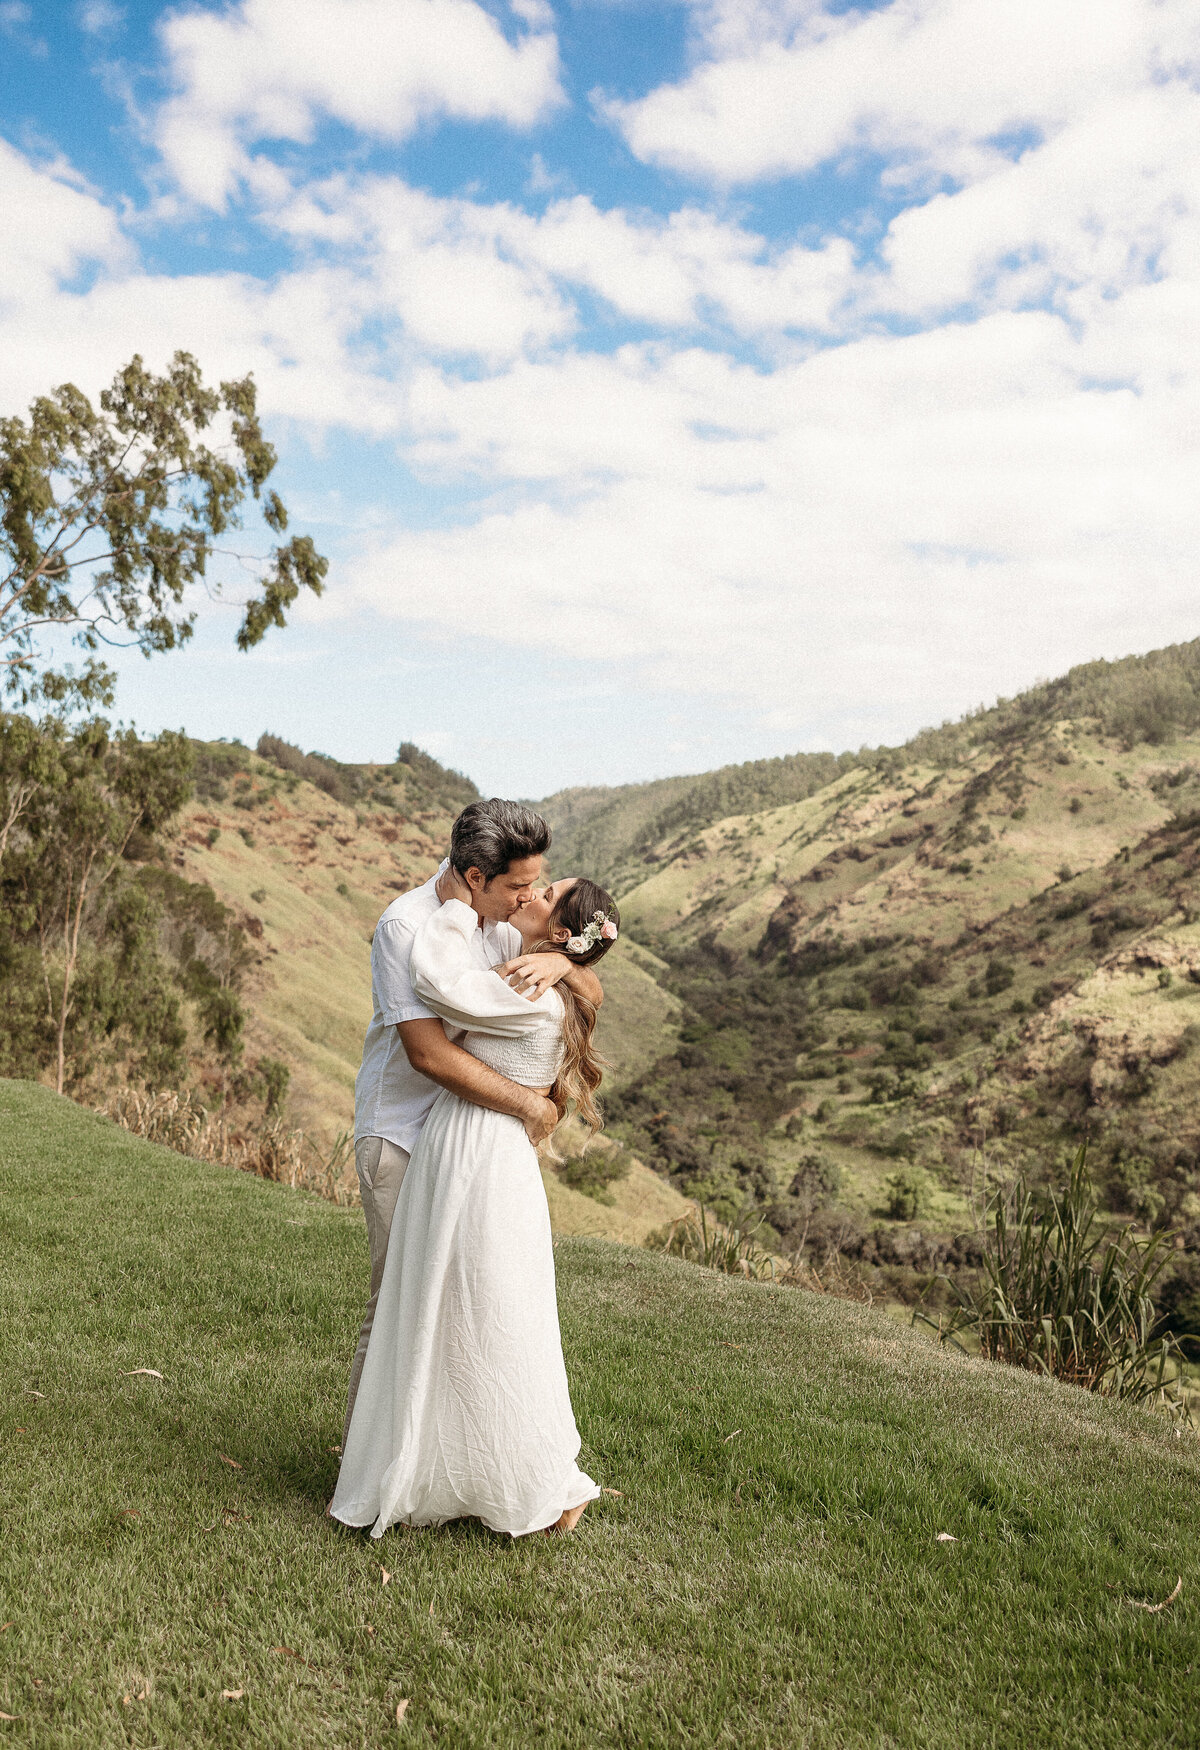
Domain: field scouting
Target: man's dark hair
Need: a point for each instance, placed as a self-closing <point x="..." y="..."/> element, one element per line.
<point x="491" y="836"/>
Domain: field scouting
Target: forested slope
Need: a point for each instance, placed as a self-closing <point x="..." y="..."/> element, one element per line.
<point x="986" y="940"/>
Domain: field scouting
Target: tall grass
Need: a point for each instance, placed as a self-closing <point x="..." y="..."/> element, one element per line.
<point x="1062" y="1293"/>
<point x="732" y="1247"/>
<point x="272" y="1151"/>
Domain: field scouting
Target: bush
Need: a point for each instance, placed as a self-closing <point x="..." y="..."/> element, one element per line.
<point x="731" y="1247"/>
<point x="1178" y="1303"/>
<point x="908" y="1192"/>
<point x="594" y="1171"/>
<point x="1060" y="1293"/>
<point x="998" y="976"/>
<point x="315" y="768"/>
<point x="816" y="1182"/>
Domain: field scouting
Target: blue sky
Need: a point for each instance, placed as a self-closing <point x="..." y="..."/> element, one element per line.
<point x="667" y="384"/>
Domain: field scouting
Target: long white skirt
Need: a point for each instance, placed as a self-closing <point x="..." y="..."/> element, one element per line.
<point x="463" y="1409"/>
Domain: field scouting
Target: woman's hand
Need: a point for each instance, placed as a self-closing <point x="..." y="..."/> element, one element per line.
<point x="534" y="974"/>
<point x="450" y="885"/>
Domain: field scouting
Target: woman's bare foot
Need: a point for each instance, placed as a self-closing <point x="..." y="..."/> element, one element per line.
<point x="569" y="1520"/>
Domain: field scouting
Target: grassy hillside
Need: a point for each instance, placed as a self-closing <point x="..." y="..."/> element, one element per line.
<point x="609" y="833"/>
<point x="988" y="938"/>
<point x="308" y="875"/>
<point x="765" y="1569"/>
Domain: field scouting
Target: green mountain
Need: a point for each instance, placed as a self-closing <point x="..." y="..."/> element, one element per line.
<point x="953" y="956"/>
<point x="612" y="833"/>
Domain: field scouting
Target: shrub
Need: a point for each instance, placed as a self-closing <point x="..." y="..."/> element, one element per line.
<point x="732" y="1247"/>
<point x="1178" y="1303"/>
<point x="907" y="1193"/>
<point x="594" y="1171"/>
<point x="1062" y="1294"/>
<point x="816" y="1181"/>
<point x="275" y="1078"/>
<point x="316" y="768"/>
<point x="998" y="976"/>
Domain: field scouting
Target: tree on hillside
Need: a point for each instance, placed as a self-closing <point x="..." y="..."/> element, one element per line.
<point x="74" y="838"/>
<point x="110" y="516"/>
<point x="29" y="765"/>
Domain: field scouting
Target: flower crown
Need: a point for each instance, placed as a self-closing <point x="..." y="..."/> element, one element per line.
<point x="601" y="929"/>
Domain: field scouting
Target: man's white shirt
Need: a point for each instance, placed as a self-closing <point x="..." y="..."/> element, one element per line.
<point x="391" y="1098"/>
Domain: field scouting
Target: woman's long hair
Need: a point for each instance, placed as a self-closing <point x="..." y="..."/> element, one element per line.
<point x="582" y="1067"/>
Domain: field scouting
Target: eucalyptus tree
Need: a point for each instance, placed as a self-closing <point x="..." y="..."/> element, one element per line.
<point x="73" y="844"/>
<point x="111" y="515"/>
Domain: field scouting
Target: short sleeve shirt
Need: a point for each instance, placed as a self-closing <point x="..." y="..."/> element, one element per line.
<point x="391" y="1098"/>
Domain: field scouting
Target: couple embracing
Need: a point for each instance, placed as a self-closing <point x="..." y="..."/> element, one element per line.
<point x="484" y="1005"/>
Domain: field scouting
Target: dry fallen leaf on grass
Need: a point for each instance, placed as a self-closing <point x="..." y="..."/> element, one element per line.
<point x="431" y="1608"/>
<point x="615" y="1492"/>
<point x="299" y="1657"/>
<point x="946" y="1537"/>
<point x="730" y="1437"/>
<point x="1153" y="1609"/>
<point x="232" y="1694"/>
<point x="335" y="1449"/>
<point x="231" y="1462"/>
<point x="30" y="1393"/>
<point x="129" y="1513"/>
<point x="386" y="1575"/>
<point x="150" y="1372"/>
<point x="401" y="1710"/>
<point x="4" y="1625"/>
<point x="10" y="1716"/>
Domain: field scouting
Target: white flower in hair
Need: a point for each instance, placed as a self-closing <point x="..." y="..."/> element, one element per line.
<point x="601" y="929"/>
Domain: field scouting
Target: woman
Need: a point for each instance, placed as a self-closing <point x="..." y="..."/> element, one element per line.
<point x="463" y="1410"/>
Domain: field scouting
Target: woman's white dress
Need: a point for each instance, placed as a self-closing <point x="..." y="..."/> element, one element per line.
<point x="463" y="1409"/>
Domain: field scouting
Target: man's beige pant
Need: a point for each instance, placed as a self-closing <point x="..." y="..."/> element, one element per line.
<point x="381" y="1169"/>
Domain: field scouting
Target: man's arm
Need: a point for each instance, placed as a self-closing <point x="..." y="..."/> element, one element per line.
<point x="432" y="1054"/>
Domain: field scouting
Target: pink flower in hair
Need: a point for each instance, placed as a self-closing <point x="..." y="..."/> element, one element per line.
<point x="608" y="930"/>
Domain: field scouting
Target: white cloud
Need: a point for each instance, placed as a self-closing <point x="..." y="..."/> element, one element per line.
<point x="840" y="529"/>
<point x="54" y="226"/>
<point x="98" y="17"/>
<point x="269" y="70"/>
<point x="934" y="85"/>
<point x="496" y="281"/>
<point x="1106" y="204"/>
<point x="864" y="513"/>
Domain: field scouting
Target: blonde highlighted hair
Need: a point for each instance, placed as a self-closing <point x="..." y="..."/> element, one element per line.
<point x="582" y="1068"/>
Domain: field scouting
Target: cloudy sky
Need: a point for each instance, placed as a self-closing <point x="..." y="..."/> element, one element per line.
<point x="668" y="384"/>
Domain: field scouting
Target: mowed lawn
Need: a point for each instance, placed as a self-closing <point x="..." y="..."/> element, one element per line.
<point x="768" y="1570"/>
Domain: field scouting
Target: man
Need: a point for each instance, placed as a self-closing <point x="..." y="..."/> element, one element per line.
<point x="409" y="1054"/>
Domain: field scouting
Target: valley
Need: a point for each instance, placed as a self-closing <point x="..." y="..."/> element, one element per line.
<point x="872" y="984"/>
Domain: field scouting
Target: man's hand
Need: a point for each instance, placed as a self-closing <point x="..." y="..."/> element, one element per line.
<point x="533" y="974"/>
<point x="543" y="1117"/>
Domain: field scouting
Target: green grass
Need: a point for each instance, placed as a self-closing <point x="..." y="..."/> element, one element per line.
<point x="769" y="1574"/>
